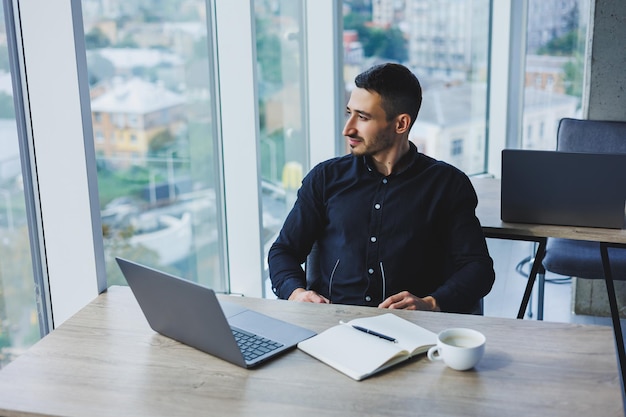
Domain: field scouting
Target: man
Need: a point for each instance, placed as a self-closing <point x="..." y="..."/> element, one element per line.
<point x="394" y="228"/>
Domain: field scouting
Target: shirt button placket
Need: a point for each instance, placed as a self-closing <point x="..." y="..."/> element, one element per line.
<point x="373" y="247"/>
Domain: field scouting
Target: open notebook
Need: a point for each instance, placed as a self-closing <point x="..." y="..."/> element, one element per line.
<point x="359" y="354"/>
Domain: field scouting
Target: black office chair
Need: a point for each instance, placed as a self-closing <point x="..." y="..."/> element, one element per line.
<point x="312" y="268"/>
<point x="574" y="258"/>
<point x="313" y="272"/>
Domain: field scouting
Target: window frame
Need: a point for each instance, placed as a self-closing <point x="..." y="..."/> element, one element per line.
<point x="66" y="238"/>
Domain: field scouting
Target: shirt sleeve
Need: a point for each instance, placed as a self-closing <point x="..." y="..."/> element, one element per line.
<point x="471" y="274"/>
<point x="300" y="230"/>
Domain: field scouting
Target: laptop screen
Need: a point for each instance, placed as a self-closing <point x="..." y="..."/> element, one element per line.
<point x="563" y="188"/>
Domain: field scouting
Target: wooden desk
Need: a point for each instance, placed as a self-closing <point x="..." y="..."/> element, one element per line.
<point x="106" y="361"/>
<point x="488" y="212"/>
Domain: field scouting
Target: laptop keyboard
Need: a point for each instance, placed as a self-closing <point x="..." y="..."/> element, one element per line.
<point x="252" y="346"/>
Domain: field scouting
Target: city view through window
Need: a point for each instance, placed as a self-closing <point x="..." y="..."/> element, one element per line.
<point x="446" y="43"/>
<point x="154" y="123"/>
<point x="155" y="116"/>
<point x="282" y="122"/>
<point x="153" y="112"/>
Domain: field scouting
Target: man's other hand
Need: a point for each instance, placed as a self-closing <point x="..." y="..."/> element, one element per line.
<point x="307" y="296"/>
<point x="406" y="300"/>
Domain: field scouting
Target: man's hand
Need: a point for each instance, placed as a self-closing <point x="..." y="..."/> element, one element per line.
<point x="307" y="296"/>
<point x="406" y="300"/>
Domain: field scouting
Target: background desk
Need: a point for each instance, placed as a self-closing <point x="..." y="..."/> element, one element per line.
<point x="488" y="212"/>
<point x="106" y="361"/>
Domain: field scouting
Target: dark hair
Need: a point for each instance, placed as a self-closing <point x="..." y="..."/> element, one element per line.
<point x="399" y="89"/>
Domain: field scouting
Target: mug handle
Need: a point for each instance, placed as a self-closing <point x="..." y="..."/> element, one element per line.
<point x="434" y="354"/>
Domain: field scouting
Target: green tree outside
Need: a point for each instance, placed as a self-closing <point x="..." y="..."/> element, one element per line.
<point x="389" y="43"/>
<point x="569" y="45"/>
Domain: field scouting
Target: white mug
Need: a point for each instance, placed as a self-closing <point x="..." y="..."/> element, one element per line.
<point x="459" y="348"/>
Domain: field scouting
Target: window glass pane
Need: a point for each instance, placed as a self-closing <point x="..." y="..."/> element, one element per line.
<point x="445" y="43"/>
<point x="283" y="139"/>
<point x="555" y="49"/>
<point x="19" y="321"/>
<point x="153" y="113"/>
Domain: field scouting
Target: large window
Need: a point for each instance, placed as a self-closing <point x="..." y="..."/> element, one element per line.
<point x="445" y="43"/>
<point x="198" y="118"/>
<point x="19" y="319"/>
<point x="556" y="36"/>
<point x="153" y="104"/>
<point x="282" y="119"/>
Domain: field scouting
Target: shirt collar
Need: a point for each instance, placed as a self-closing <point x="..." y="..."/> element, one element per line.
<point x="403" y="164"/>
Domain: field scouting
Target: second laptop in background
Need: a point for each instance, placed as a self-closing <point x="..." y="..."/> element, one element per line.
<point x="563" y="188"/>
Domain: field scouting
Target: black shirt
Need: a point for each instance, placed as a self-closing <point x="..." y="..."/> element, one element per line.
<point x="413" y="230"/>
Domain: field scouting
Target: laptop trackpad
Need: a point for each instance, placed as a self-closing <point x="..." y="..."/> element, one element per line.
<point x="261" y="325"/>
<point x="231" y="309"/>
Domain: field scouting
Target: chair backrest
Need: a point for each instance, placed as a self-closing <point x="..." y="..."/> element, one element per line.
<point x="592" y="136"/>
<point x="312" y="267"/>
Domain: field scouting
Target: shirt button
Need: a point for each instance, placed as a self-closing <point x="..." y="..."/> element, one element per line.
<point x="377" y="206"/>
<point x="368" y="298"/>
<point x="371" y="271"/>
<point x="384" y="180"/>
<point x="373" y="238"/>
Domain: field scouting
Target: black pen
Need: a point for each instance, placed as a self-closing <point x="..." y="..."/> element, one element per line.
<point x="372" y="332"/>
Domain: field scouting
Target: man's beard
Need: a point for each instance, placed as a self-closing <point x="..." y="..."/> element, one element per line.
<point x="382" y="142"/>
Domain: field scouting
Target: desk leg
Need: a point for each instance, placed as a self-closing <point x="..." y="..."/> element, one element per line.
<point x="541" y="251"/>
<point x="617" y="326"/>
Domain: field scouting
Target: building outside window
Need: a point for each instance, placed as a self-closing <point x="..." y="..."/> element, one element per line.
<point x="457" y="148"/>
<point x="445" y="43"/>
<point x="556" y="36"/>
<point x="150" y="74"/>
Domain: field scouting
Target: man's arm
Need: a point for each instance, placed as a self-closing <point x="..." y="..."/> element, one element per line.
<point x="472" y="274"/>
<point x="289" y="251"/>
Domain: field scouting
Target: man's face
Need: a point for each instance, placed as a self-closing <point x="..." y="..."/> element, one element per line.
<point x="367" y="130"/>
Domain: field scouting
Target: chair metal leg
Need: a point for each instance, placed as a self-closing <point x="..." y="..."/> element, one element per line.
<point x="617" y="326"/>
<point x="541" y="286"/>
<point x="541" y="251"/>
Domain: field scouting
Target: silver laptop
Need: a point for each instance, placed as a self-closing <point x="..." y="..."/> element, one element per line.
<point x="191" y="314"/>
<point x="563" y="188"/>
